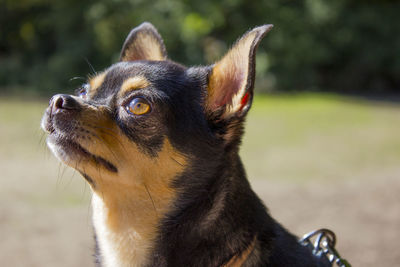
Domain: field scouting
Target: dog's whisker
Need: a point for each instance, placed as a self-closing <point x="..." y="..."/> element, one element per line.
<point x="41" y="139"/>
<point x="77" y="78"/>
<point x="112" y="134"/>
<point x="90" y="66"/>
<point x="105" y="144"/>
<point x="176" y="160"/>
<point x="105" y="131"/>
<point x="102" y="127"/>
<point x="58" y="174"/>
<point x="115" y="138"/>
<point x="152" y="202"/>
<point x="63" y="170"/>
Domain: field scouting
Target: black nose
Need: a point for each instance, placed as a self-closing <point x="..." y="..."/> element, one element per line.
<point x="66" y="102"/>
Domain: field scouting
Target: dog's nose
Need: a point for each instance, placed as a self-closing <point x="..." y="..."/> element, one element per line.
<point x="66" y="102"/>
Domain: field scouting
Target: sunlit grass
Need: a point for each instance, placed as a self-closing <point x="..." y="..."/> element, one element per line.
<point x="314" y="136"/>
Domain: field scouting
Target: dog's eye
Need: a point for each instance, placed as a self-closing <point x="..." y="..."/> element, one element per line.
<point x="82" y="92"/>
<point x="138" y="106"/>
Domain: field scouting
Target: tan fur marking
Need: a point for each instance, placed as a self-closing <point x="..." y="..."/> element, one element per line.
<point x="126" y="215"/>
<point x="238" y="260"/>
<point x="96" y="82"/>
<point x="146" y="47"/>
<point x="133" y="83"/>
<point x="128" y="205"/>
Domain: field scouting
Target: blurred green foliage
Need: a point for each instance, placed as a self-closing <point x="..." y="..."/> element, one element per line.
<point x="341" y="45"/>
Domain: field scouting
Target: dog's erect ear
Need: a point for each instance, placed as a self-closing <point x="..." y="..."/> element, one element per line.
<point x="231" y="81"/>
<point x="143" y="43"/>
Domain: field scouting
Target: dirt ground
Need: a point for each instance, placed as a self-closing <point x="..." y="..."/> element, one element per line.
<point x="364" y="215"/>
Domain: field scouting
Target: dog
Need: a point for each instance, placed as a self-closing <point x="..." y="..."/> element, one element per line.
<point x="158" y="144"/>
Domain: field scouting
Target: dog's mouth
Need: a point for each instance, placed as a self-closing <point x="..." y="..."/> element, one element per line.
<point x="69" y="150"/>
<point x="66" y="148"/>
<point x="64" y="136"/>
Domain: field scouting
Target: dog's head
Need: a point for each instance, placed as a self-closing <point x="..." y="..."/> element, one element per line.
<point x="146" y="119"/>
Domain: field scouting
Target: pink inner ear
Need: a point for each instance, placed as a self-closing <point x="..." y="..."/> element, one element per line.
<point x="229" y="85"/>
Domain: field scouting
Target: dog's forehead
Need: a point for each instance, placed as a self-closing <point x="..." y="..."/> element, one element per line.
<point x="124" y="76"/>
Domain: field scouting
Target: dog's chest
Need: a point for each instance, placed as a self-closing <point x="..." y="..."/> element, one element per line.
<point x="123" y="245"/>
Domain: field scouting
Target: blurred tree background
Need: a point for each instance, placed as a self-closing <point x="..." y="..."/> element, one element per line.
<point x="346" y="46"/>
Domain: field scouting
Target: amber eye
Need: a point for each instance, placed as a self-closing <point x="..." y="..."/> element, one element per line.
<point x="82" y="93"/>
<point x="138" y="106"/>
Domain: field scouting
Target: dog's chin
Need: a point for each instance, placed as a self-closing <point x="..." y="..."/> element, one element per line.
<point x="67" y="150"/>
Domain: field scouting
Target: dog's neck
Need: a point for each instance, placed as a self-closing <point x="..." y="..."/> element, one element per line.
<point x="127" y="220"/>
<point x="127" y="208"/>
<point x="197" y="231"/>
<point x="126" y="223"/>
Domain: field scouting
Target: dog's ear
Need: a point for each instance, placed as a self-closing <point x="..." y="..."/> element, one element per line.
<point x="231" y="81"/>
<point x="143" y="43"/>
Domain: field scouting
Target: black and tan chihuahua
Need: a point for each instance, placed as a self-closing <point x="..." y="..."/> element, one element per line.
<point x="158" y="143"/>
